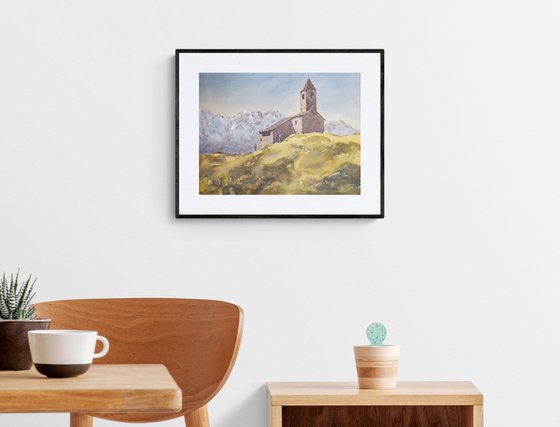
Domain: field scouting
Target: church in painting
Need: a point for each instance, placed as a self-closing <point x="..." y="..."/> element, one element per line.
<point x="306" y="121"/>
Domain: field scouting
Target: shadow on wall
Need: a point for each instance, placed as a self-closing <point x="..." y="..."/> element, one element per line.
<point x="170" y="167"/>
<point x="250" y="412"/>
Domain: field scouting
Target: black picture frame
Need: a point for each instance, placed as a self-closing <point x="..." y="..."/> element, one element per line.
<point x="379" y="215"/>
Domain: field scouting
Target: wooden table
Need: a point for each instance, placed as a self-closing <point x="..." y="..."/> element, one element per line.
<point x="341" y="404"/>
<point x="103" y="389"/>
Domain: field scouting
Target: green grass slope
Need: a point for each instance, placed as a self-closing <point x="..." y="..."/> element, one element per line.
<point x="314" y="163"/>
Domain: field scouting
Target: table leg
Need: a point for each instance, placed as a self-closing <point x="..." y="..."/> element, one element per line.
<point x="478" y="416"/>
<point x="198" y="418"/>
<point x="81" y="420"/>
<point x="275" y="416"/>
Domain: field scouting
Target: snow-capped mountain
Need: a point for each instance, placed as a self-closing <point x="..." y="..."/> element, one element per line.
<point x="239" y="134"/>
<point x="340" y="127"/>
<point x="233" y="134"/>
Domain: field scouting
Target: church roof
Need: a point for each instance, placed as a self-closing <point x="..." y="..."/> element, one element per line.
<point x="284" y="120"/>
<point x="287" y="119"/>
<point x="308" y="85"/>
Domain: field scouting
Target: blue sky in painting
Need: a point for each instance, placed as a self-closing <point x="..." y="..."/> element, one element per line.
<point x="338" y="94"/>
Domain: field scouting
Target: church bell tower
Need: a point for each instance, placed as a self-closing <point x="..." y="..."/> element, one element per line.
<point x="308" y="97"/>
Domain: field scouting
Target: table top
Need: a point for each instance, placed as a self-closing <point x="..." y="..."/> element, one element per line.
<point x="103" y="389"/>
<point x="348" y="394"/>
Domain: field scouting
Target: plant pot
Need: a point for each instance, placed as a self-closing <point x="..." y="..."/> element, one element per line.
<point x="14" y="345"/>
<point x="377" y="366"/>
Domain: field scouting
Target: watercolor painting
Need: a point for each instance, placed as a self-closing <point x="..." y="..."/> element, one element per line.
<point x="279" y="134"/>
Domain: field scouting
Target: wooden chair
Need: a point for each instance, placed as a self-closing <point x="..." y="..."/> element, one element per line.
<point x="197" y="340"/>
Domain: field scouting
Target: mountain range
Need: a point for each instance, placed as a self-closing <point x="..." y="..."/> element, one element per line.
<point x="339" y="127"/>
<point x="239" y="134"/>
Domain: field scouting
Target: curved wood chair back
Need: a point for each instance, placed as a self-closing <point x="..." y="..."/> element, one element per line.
<point x="197" y="340"/>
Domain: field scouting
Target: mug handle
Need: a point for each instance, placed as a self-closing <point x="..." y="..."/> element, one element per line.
<point x="105" y="348"/>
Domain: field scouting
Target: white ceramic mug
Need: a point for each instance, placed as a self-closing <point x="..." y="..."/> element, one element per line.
<point x="64" y="352"/>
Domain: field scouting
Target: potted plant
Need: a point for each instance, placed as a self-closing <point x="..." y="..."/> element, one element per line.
<point x="17" y="317"/>
<point x="377" y="364"/>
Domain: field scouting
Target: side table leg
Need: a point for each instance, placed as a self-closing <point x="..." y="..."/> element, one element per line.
<point x="81" y="420"/>
<point x="275" y="416"/>
<point x="478" y="416"/>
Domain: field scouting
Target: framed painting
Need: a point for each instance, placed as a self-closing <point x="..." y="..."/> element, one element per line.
<point x="279" y="133"/>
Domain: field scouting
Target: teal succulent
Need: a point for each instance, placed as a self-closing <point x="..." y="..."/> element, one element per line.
<point x="376" y="334"/>
<point x="15" y="297"/>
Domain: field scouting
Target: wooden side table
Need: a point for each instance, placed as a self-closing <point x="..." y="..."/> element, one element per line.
<point x="343" y="404"/>
<point x="103" y="389"/>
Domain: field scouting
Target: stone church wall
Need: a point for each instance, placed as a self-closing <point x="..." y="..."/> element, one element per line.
<point x="283" y="131"/>
<point x="312" y="122"/>
<point x="307" y="104"/>
<point x="265" y="140"/>
<point x="298" y="124"/>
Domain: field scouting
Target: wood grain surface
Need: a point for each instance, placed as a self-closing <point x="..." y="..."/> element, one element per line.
<point x="376" y="416"/>
<point x="348" y="394"/>
<point x="104" y="388"/>
<point x="478" y="416"/>
<point x="377" y="366"/>
<point x="81" y="420"/>
<point x="197" y="340"/>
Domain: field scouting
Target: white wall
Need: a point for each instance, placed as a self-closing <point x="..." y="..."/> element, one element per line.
<point x="463" y="270"/>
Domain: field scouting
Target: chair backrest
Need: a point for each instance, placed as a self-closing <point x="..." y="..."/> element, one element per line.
<point x="197" y="340"/>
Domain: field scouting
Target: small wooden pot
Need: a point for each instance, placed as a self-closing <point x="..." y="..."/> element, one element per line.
<point x="377" y="366"/>
<point x="14" y="345"/>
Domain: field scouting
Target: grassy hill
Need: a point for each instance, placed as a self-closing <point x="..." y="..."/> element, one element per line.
<point x="314" y="163"/>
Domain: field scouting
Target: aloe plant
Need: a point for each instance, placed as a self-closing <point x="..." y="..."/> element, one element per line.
<point x="15" y="298"/>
